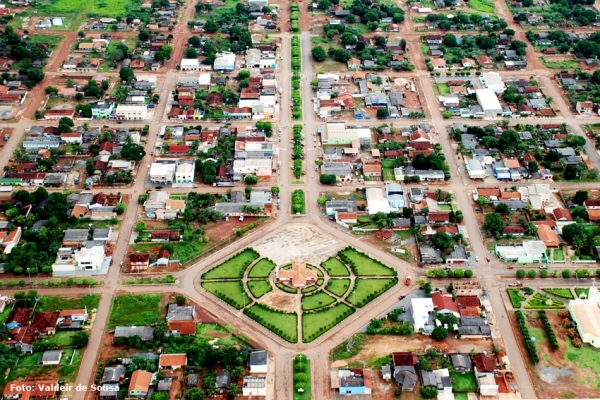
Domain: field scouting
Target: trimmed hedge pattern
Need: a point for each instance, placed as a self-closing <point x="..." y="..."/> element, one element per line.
<point x="274" y="320"/>
<point x="565" y="293"/>
<point x="317" y="323"/>
<point x="529" y="345"/>
<point x="295" y="17"/>
<point x="221" y="270"/>
<point x="548" y="328"/>
<point x="361" y="295"/>
<point x="359" y="263"/>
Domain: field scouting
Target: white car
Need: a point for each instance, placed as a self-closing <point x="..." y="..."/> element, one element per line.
<point x="476" y="258"/>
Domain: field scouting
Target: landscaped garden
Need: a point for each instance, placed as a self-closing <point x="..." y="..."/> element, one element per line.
<point x="317" y="300"/>
<point x="234" y="267"/>
<point x="259" y="288"/>
<point x="530" y="299"/>
<point x="302" y="378"/>
<point x="335" y="267"/>
<point x="230" y="291"/>
<point x="363" y="265"/>
<point x="298" y="202"/>
<point x="317" y="323"/>
<point x="366" y="290"/>
<point x="565" y="293"/>
<point x="281" y="323"/>
<point x="338" y="286"/>
<point x="262" y="268"/>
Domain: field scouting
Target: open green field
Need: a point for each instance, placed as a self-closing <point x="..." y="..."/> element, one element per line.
<point x="184" y="251"/>
<point x="62" y="338"/>
<point x="283" y="324"/>
<point x="110" y="8"/>
<point x="230" y="292"/>
<point x="565" y="293"/>
<point x="261" y="269"/>
<point x="31" y="359"/>
<point x="388" y="163"/>
<point x="61" y="6"/>
<point x="50" y="40"/>
<point x="317" y="300"/>
<point x="363" y="265"/>
<point x="335" y="267"/>
<point x="582" y="357"/>
<point x="234" y="267"/>
<point x="444" y="89"/>
<point x="484" y="6"/>
<point x="138" y="310"/>
<point x="366" y="290"/>
<point x="463" y="382"/>
<point x="564" y="64"/>
<point x="259" y="288"/>
<point x="317" y="323"/>
<point x="54" y="303"/>
<point x="338" y="286"/>
<point x="207" y="329"/>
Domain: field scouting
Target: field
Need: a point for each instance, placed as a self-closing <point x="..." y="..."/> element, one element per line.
<point x="184" y="251"/>
<point x="463" y="382"/>
<point x="563" y="64"/>
<point x="366" y="290"/>
<point x="230" y="292"/>
<point x="50" y="40"/>
<point x="317" y="300"/>
<point x="261" y="269"/>
<point x="484" y="6"/>
<point x="110" y="8"/>
<point x="335" y="267"/>
<point x="137" y="310"/>
<point x="53" y="303"/>
<point x="444" y="89"/>
<point x="286" y="324"/>
<point x="259" y="288"/>
<point x="207" y="329"/>
<point x="364" y="265"/>
<point x="338" y="286"/>
<point x="317" y="323"/>
<point x="234" y="267"/>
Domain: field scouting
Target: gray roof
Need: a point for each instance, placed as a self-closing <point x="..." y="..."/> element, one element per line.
<point x="461" y="361"/>
<point x="431" y="379"/>
<point x="337" y="168"/>
<point x="258" y="358"/>
<point x="180" y="313"/>
<point x="192" y="380"/>
<point x="223" y="379"/>
<point x="513" y="204"/>
<point x="231" y="208"/>
<point x="39" y="224"/>
<point x="5" y="224"/>
<point x="342" y="205"/>
<point x="566" y="151"/>
<point x="109" y="390"/>
<point x="386" y="369"/>
<point x="237" y="197"/>
<point x="100" y="233"/>
<point x="51" y="356"/>
<point x="429" y="254"/>
<point x="260" y="196"/>
<point x="76" y="234"/>
<point x="472" y="321"/>
<point x="459" y="252"/>
<point x="144" y="332"/>
<point x="113" y="374"/>
<point x="420" y="219"/>
<point x="165" y="384"/>
<point x="475" y="330"/>
<point x="402" y="222"/>
<point x="405" y="376"/>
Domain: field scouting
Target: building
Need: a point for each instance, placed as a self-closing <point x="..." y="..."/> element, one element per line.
<point x="181" y="328"/>
<point x="162" y="173"/>
<point x="524" y="253"/>
<point x="376" y="202"/>
<point x="146" y="333"/>
<point x="139" y="384"/>
<point x="492" y="81"/>
<point x="443" y="304"/>
<point x="224" y="62"/>
<point x="586" y="313"/>
<point x="439" y="379"/>
<point x="172" y="361"/>
<point x="51" y="357"/>
<point x="421" y="310"/>
<point x="181" y="313"/>
<point x="139" y="261"/>
<point x="113" y="374"/>
<point x="458" y="255"/>
<point x="131" y="112"/>
<point x="189" y="64"/>
<point x="429" y="255"/>
<point x="336" y="133"/>
<point x="353" y="382"/>
<point x="548" y="236"/>
<point x="259" y="362"/>
<point x="72" y="260"/>
<point x="460" y="362"/>
<point x="488" y="101"/>
<point x="184" y="173"/>
<point x="395" y="196"/>
<point x="298" y="275"/>
<point x="254" y="386"/>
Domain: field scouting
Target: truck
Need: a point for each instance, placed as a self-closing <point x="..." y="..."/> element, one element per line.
<point x="223" y="184"/>
<point x="516" y="284"/>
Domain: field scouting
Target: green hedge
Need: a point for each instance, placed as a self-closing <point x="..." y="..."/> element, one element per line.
<point x="549" y="331"/>
<point x="529" y="345"/>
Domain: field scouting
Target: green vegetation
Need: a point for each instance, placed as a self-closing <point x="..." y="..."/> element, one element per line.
<point x="338" y="286"/>
<point x="366" y="290"/>
<point x="230" y="292"/>
<point x="584" y="356"/>
<point x="363" y="265"/>
<point x="563" y="64"/>
<point x="286" y="288"/>
<point x="259" y="288"/>
<point x="342" y="351"/>
<point x="463" y="382"/>
<point x="444" y="89"/>
<point x="548" y="329"/>
<point x="298" y="202"/>
<point x="53" y="303"/>
<point x="559" y="255"/>
<point x="207" y="329"/>
<point x="529" y="345"/>
<point x="538" y="300"/>
<point x="301" y="371"/>
<point x="283" y="324"/>
<point x="261" y="269"/>
<point x="138" y="310"/>
<point x="335" y="267"/>
<point x="50" y="40"/>
<point x="580" y="291"/>
<point x="317" y="300"/>
<point x="233" y="267"/>
<point x="515" y="299"/>
<point x="565" y="293"/>
<point x="484" y="6"/>
<point x="317" y="323"/>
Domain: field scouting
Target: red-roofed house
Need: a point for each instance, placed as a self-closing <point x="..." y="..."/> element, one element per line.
<point x="467" y="301"/>
<point x="172" y="361"/>
<point x="443" y="304"/>
<point x="592" y="204"/>
<point x="347" y="217"/>
<point x="485" y="363"/>
<point x="179" y="328"/>
<point x="404" y="358"/>
<point x="372" y="169"/>
<point x="139" y="261"/>
<point x="438" y="216"/>
<point x="179" y="149"/>
<point x="562" y="214"/>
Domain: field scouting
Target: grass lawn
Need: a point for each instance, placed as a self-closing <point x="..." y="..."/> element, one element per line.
<point x="111" y="8"/>
<point x="538" y="333"/>
<point x="4" y="314"/>
<point x="335" y="267"/>
<point x="184" y="251"/>
<point x="444" y="89"/>
<point x="234" y="267"/>
<point x="230" y="292"/>
<point x="306" y="394"/>
<point x="425" y="50"/>
<point x="207" y="329"/>
<point x="50" y="40"/>
<point x="308" y="289"/>
<point x="484" y="6"/>
<point x="286" y="288"/>
<point x="317" y="300"/>
<point x="366" y="290"/>
<point x="141" y="309"/>
<point x="388" y="163"/>
<point x="364" y="265"/>
<point x="564" y="64"/>
<point x="62" y="338"/>
<point x="53" y="303"/>
<point x="364" y="218"/>
<point x="515" y="299"/>
<point x="317" y="323"/>
<point x="338" y="286"/>
<point x="283" y="324"/>
<point x="463" y="382"/>
<point x="580" y="291"/>
<point x="461" y="396"/>
<point x="262" y="269"/>
<point x="445" y="207"/>
<point x="565" y="293"/>
<point x="583" y="357"/>
<point x="259" y="288"/>
<point x="559" y="255"/>
<point x="388" y="174"/>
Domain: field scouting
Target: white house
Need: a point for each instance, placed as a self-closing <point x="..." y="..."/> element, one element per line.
<point x="162" y="173"/>
<point x="586" y="312"/>
<point x="51" y="357"/>
<point x="224" y="62"/>
<point x="488" y="101"/>
<point x="475" y="169"/>
<point x="189" y="64"/>
<point x="90" y="259"/>
<point x="492" y="81"/>
<point x="421" y="309"/>
<point x="131" y="112"/>
<point x="377" y="202"/>
<point x="184" y="173"/>
<point x="254" y="386"/>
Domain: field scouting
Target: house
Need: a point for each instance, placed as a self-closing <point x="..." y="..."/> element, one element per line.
<point x="348" y="218"/>
<point x="139" y="261"/>
<point x="484" y="368"/>
<point x="492" y="81"/>
<point x="548" y="236"/>
<point x="401" y="224"/>
<point x="172" y="361"/>
<point x="258" y="362"/>
<point x="146" y="333"/>
<point x="181" y="313"/>
<point x="71" y="317"/>
<point x="405" y="377"/>
<point x="51" y="357"/>
<point x="139" y="384"/>
<point x="485" y="61"/>
<point x="513" y="230"/>
<point x="354" y="382"/>
<point x="223" y="381"/>
<point x="458" y="255"/>
<point x="429" y="255"/>
<point x="113" y="374"/>
<point x="474" y="327"/>
<point x="460" y="362"/>
<point x="372" y="169"/>
<point x="254" y="386"/>
<point x="376" y="201"/>
<point x="421" y="310"/>
<point x="162" y="173"/>
<point x="443" y="304"/>
<point x="440" y="217"/>
<point x="181" y="328"/>
<point x="353" y="64"/>
<point x="131" y="112"/>
<point x="439" y="379"/>
<point x="592" y="204"/>
<point x="562" y="214"/>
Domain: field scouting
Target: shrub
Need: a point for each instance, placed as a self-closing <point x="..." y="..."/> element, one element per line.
<point x="544" y="273"/>
<point x="520" y="273"/>
<point x="468" y="273"/>
<point x="21" y="283"/>
<point x="567" y="273"/>
<point x="46" y="282"/>
<point x="69" y="281"/>
<point x="12" y="283"/>
<point x="459" y="273"/>
<point x="532" y="273"/>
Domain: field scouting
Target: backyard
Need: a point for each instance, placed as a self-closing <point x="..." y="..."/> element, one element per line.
<point x="463" y="382"/>
<point x="135" y="310"/>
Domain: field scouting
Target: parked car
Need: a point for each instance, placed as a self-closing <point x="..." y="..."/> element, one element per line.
<point x="158" y="187"/>
<point x="543" y="267"/>
<point x="487" y="259"/>
<point x="476" y="258"/>
<point x="510" y="267"/>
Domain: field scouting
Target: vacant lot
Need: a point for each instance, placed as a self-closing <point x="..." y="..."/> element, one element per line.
<point x="53" y="303"/>
<point x="234" y="267"/>
<point x="141" y="309"/>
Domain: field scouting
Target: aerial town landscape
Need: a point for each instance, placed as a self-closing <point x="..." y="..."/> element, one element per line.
<point x="254" y="199"/>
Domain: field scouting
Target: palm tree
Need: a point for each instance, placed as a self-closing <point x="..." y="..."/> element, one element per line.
<point x="439" y="194"/>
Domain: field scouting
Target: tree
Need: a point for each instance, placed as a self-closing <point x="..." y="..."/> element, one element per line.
<point x="321" y="201"/>
<point x="382" y="113"/>
<point x="480" y="200"/>
<point x="275" y="190"/>
<point x="531" y="273"/>
<point x="180" y="300"/>
<point x="140" y="226"/>
<point x="533" y="167"/>
<point x="64" y="125"/>
<point x="449" y="40"/>
<point x="567" y="273"/>
<point x="191" y="52"/>
<point x="132" y="151"/>
<point x="441" y="240"/>
<point x="520" y="273"/>
<point x="211" y="26"/>
<point x="580" y="196"/>
<point x="576" y="234"/>
<point x="120" y="207"/>
<point x="195" y="394"/>
<point x="493" y="223"/>
<point x="502" y="208"/>
<point x="439" y="333"/>
<point x="319" y="54"/>
<point x="328" y="179"/>
<point x="80" y="339"/>
<point x="251" y="179"/>
<point x="126" y="74"/>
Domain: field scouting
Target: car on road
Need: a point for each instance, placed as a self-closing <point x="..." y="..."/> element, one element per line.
<point x="338" y="184"/>
<point x="487" y="259"/>
<point x="510" y="267"/>
<point x="543" y="267"/>
<point x="401" y="297"/>
<point x="158" y="187"/>
<point x="476" y="258"/>
<point x="195" y="186"/>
